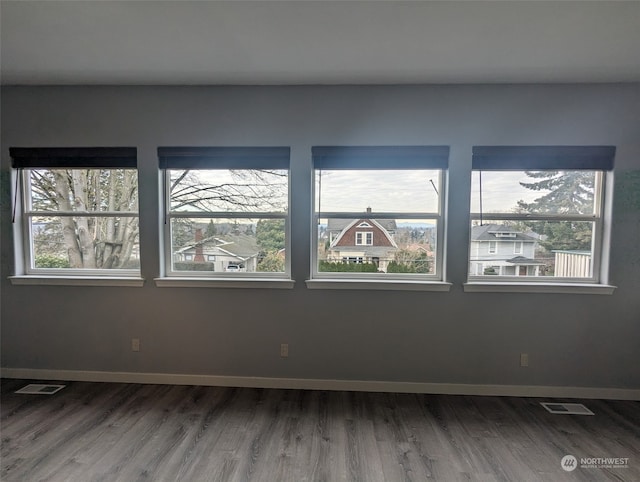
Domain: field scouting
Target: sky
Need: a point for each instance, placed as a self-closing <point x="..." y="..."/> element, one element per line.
<point x="382" y="191"/>
<point x="412" y="191"/>
<point x="407" y="191"/>
<point x="501" y="191"/>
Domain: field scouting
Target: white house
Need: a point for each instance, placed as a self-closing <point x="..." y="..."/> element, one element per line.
<point x="497" y="249"/>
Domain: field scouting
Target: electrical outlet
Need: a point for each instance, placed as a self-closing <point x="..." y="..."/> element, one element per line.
<point x="135" y="344"/>
<point x="284" y="350"/>
<point x="524" y="359"/>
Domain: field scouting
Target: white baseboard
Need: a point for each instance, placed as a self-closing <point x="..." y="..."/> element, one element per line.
<point x="321" y="384"/>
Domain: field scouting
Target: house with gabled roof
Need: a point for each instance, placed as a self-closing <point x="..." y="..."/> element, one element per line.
<point x="502" y="250"/>
<point x="362" y="241"/>
<point x="221" y="251"/>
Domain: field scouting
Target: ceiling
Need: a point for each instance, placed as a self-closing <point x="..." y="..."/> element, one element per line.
<point x="318" y="42"/>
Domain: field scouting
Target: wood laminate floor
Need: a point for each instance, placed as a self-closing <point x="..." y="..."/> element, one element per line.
<point x="128" y="432"/>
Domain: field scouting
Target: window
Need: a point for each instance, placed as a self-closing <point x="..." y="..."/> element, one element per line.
<point x="79" y="212"/>
<point x="378" y="212"/>
<point x="226" y="211"/>
<point x="546" y="202"/>
<point x="353" y="259"/>
<point x="364" y="238"/>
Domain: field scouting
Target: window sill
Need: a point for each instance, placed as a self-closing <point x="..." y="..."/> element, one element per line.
<point x="566" y="288"/>
<point x="386" y="285"/>
<point x="76" y="281"/>
<point x="272" y="283"/>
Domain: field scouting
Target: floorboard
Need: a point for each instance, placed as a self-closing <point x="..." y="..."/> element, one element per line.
<point x="126" y="432"/>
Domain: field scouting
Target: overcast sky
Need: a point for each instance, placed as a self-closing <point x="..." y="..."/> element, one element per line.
<point x="404" y="190"/>
<point x="412" y="191"/>
<point x="382" y="191"/>
<point x="501" y="191"/>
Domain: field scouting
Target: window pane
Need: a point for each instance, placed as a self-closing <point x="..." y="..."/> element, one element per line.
<point x="227" y="245"/>
<point x="542" y="249"/>
<point x="69" y="190"/>
<point x="397" y="246"/>
<point x="545" y="192"/>
<point x="85" y="242"/>
<point x="228" y="190"/>
<point x="381" y="190"/>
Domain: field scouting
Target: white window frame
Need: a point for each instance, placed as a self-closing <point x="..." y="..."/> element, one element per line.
<point x="383" y="158"/>
<point x="367" y="236"/>
<point x="222" y="158"/>
<point x="493" y="247"/>
<point x="518" y="247"/>
<point x="65" y="158"/>
<point x="353" y="259"/>
<point x="556" y="158"/>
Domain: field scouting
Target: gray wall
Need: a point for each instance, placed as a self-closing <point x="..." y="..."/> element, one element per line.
<point x="455" y="337"/>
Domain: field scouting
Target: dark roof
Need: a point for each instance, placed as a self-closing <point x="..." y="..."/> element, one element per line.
<point x="523" y="260"/>
<point x="338" y="224"/>
<point x="487" y="232"/>
<point x="242" y="245"/>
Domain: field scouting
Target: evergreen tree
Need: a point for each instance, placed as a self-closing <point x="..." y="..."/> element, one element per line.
<point x="569" y="192"/>
<point x="212" y="229"/>
<point x="270" y="234"/>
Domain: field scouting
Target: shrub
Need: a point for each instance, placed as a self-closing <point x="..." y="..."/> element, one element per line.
<point x="347" y="267"/>
<point x="50" y="261"/>
<point x="191" y="266"/>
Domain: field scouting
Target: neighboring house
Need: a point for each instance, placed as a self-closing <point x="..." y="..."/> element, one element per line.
<point x="572" y="264"/>
<point x="362" y="241"/>
<point x="503" y="251"/>
<point x="221" y="251"/>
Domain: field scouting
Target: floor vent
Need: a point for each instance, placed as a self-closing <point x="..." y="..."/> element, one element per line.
<point x="567" y="408"/>
<point x="38" y="389"/>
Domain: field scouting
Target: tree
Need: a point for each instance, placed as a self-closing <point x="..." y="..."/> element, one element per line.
<point x="212" y="229"/>
<point x="244" y="190"/>
<point x="569" y="192"/>
<point x="89" y="240"/>
<point x="272" y="262"/>
<point x="103" y="242"/>
<point x="270" y="235"/>
<point x="409" y="261"/>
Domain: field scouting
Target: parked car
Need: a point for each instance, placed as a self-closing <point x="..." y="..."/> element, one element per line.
<point x="234" y="268"/>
